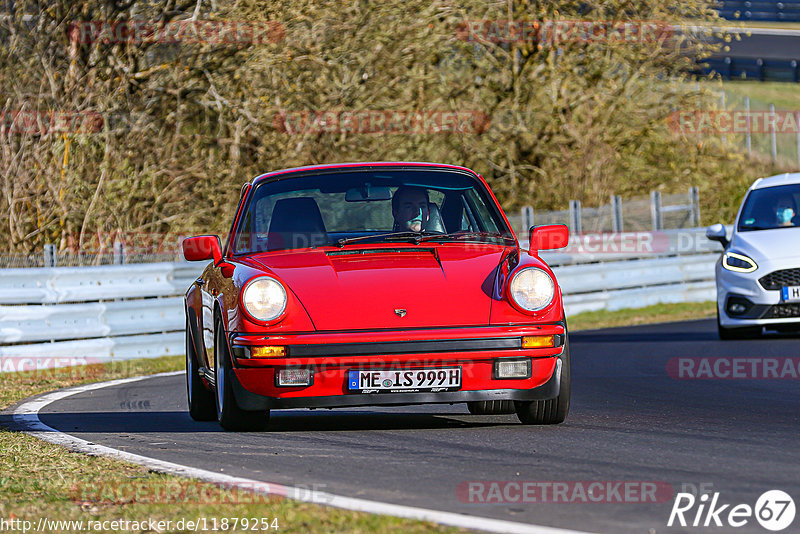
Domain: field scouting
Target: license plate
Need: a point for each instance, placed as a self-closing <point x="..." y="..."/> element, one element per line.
<point x="404" y="380"/>
<point x="790" y="294"/>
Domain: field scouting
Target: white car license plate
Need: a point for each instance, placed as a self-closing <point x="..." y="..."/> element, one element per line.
<point x="404" y="380"/>
<point x="790" y="294"/>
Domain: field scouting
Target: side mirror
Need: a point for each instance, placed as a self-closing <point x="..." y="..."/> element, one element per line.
<point x="202" y="247"/>
<point x="717" y="232"/>
<point x="549" y="237"/>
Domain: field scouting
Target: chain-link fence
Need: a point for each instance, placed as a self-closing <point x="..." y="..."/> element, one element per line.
<point x="638" y="214"/>
<point x="760" y="128"/>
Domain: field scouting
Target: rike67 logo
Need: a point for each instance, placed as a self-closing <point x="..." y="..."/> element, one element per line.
<point x="774" y="510"/>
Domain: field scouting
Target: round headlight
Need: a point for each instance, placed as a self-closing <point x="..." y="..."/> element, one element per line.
<point x="532" y="289"/>
<point x="264" y="298"/>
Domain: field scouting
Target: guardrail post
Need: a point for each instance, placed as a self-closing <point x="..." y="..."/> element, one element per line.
<point x="616" y="213"/>
<point x="50" y="257"/>
<point x="694" y="202"/>
<point x="527" y="218"/>
<point x="119" y="252"/>
<point x="575" y="217"/>
<point x="772" y="134"/>
<point x="655" y="211"/>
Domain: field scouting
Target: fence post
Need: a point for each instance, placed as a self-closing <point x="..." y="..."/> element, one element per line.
<point x="527" y="218"/>
<point x="772" y="134"/>
<point x="50" y="258"/>
<point x="655" y="211"/>
<point x="748" y="139"/>
<point x="119" y="252"/>
<point x="574" y="216"/>
<point x="616" y="213"/>
<point x="694" y="202"/>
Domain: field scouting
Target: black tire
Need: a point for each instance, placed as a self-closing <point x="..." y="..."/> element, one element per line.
<point x="746" y="332"/>
<point x="229" y="415"/>
<point x="551" y="411"/>
<point x="202" y="406"/>
<point x="493" y="407"/>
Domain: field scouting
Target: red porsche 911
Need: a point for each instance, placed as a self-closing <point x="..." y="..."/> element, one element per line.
<point x="374" y="284"/>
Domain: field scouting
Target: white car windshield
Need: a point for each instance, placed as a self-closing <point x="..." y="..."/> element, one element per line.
<point x="770" y="208"/>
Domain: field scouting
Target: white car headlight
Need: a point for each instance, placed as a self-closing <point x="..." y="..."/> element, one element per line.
<point x="264" y="298"/>
<point x="738" y="263"/>
<point x="532" y="288"/>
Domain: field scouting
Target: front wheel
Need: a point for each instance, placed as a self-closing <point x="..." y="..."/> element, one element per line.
<point x="201" y="401"/>
<point x="551" y="411"/>
<point x="229" y="415"/>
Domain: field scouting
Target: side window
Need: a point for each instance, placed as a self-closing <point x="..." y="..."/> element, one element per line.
<point x="243" y="237"/>
<point x="475" y="206"/>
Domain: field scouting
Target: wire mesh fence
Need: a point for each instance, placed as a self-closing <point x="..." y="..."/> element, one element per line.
<point x="760" y="128"/>
<point x="637" y="214"/>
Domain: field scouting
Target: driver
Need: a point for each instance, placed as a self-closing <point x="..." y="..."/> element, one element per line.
<point x="410" y="209"/>
<point x="785" y="210"/>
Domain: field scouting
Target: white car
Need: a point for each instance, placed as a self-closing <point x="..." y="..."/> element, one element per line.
<point x="758" y="274"/>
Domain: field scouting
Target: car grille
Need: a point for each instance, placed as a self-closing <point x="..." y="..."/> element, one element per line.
<point x="779" y="279"/>
<point x="782" y="311"/>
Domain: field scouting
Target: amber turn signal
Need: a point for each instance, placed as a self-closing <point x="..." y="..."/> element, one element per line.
<point x="267" y="352"/>
<point x="538" y="342"/>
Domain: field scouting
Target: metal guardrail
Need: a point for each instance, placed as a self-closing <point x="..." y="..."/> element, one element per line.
<point x="51" y="317"/>
<point x="761" y="10"/>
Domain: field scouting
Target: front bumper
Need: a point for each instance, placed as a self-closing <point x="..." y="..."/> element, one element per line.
<point x="331" y="355"/>
<point x="762" y="307"/>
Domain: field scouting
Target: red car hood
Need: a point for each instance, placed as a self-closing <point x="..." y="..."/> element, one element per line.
<point x="370" y="288"/>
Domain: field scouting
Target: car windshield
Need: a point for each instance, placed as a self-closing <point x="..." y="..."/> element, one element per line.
<point x="770" y="208"/>
<point x="369" y="206"/>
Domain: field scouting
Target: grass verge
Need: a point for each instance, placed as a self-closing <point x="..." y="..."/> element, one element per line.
<point x="41" y="480"/>
<point x="659" y="313"/>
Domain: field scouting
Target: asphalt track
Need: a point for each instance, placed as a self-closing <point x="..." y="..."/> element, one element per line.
<point x="630" y="421"/>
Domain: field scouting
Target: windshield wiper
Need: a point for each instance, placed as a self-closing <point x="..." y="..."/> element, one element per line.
<point x="418" y="236"/>
<point x="465" y="235"/>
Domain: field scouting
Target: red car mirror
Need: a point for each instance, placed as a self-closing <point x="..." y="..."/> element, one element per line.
<point x="549" y="237"/>
<point x="202" y="247"/>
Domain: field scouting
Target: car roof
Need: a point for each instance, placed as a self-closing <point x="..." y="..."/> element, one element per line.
<point x="359" y="165"/>
<point x="786" y="178"/>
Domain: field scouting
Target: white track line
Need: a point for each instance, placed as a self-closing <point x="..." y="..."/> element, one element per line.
<point x="26" y="415"/>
